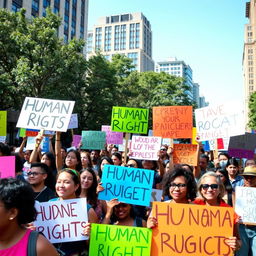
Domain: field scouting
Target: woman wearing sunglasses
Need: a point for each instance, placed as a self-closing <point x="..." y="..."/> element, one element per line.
<point x="179" y="187"/>
<point x="212" y="190"/>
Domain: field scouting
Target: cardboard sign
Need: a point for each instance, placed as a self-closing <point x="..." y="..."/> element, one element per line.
<point x="185" y="154"/>
<point x="220" y="121"/>
<point x="173" y="122"/>
<point x="245" y="204"/>
<point x="242" y="146"/>
<point x="62" y="220"/>
<point x="131" y="120"/>
<point x="76" y="140"/>
<point x="52" y="115"/>
<point x="32" y="132"/>
<point x="112" y="137"/>
<point x="31" y="141"/>
<point x="3" y="123"/>
<point x="73" y="122"/>
<point x="145" y="148"/>
<point x="129" y="185"/>
<point x="7" y="166"/>
<point x="106" y="240"/>
<point x="93" y="140"/>
<point x="187" y="229"/>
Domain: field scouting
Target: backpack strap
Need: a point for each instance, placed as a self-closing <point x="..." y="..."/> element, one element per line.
<point x="31" y="250"/>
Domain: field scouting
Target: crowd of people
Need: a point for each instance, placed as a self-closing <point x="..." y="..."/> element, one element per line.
<point x="62" y="174"/>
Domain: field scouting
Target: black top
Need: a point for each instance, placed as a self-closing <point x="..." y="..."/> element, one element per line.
<point x="45" y="195"/>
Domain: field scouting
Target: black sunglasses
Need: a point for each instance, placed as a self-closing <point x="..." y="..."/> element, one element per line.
<point x="212" y="186"/>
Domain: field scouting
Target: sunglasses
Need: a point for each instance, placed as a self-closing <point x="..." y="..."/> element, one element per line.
<point x="180" y="185"/>
<point x="164" y="149"/>
<point x="212" y="186"/>
<point x="130" y="165"/>
<point x="34" y="173"/>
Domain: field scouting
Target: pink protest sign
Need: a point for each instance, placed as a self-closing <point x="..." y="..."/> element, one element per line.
<point x="112" y="137"/>
<point x="76" y="140"/>
<point x="7" y="166"/>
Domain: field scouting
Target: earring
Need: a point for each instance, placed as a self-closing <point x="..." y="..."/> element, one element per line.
<point x="11" y="218"/>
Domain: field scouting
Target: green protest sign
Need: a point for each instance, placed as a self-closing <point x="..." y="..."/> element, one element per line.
<point x="108" y="240"/>
<point x="93" y="140"/>
<point x="131" y="120"/>
<point x="22" y="132"/>
<point x="3" y="123"/>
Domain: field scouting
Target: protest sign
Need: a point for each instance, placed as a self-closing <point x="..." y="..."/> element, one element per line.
<point x="62" y="220"/>
<point x="132" y="120"/>
<point x="187" y="229"/>
<point x="220" y="121"/>
<point x="52" y="115"/>
<point x="3" y="123"/>
<point x="76" y="140"/>
<point x="145" y="148"/>
<point x="7" y="166"/>
<point x="121" y="147"/>
<point x="32" y="132"/>
<point x="156" y="195"/>
<point x="185" y="154"/>
<point x="112" y="137"/>
<point x="129" y="185"/>
<point x="93" y="140"/>
<point x="106" y="240"/>
<point x="194" y="135"/>
<point x="22" y="132"/>
<point x="73" y="122"/>
<point x="173" y="122"/>
<point x="242" y="146"/>
<point x="31" y="141"/>
<point x="245" y="204"/>
<point x="166" y="141"/>
<point x="3" y="139"/>
<point x="45" y="146"/>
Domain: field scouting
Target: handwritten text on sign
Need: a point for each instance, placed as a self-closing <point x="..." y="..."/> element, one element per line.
<point x="146" y="148"/>
<point x="186" y="229"/>
<point x="132" y="120"/>
<point x="112" y="137"/>
<point x="63" y="220"/>
<point x="113" y="240"/>
<point x="245" y="204"/>
<point x="185" y="154"/>
<point x="93" y="140"/>
<point x="7" y="166"/>
<point x="52" y="115"/>
<point x="129" y="185"/>
<point x="220" y="121"/>
<point x="172" y="122"/>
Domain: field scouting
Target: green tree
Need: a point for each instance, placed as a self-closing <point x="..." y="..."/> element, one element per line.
<point x="252" y="111"/>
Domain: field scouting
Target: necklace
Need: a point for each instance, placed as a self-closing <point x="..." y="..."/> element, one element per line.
<point x="40" y="192"/>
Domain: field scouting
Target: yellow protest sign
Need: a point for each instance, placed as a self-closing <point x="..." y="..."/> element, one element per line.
<point x="187" y="229"/>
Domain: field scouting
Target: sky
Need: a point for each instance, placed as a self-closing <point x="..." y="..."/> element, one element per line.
<point x="208" y="35"/>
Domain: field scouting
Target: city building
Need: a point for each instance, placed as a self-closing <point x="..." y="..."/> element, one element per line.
<point x="74" y="14"/>
<point x="249" y="55"/>
<point x="178" y="68"/>
<point x="202" y="102"/>
<point x="129" y="34"/>
<point x="196" y="93"/>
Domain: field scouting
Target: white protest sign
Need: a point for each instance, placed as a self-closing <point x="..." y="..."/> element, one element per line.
<point x="121" y="147"/>
<point x="63" y="220"/>
<point x="2" y="139"/>
<point x="145" y="148"/>
<point x="73" y="123"/>
<point x="220" y="121"/>
<point x="245" y="204"/>
<point x="52" y="115"/>
<point x="31" y="141"/>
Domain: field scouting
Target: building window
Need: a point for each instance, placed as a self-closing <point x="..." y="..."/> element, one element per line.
<point x="250" y="51"/>
<point x="82" y="19"/>
<point x="114" y="19"/>
<point x="73" y="23"/>
<point x="134" y="57"/>
<point x="250" y="63"/>
<point x="46" y="3"/>
<point x="56" y="6"/>
<point x="35" y="8"/>
<point x="251" y="88"/>
<point x="16" y="5"/>
<point x="107" y="43"/>
<point x="98" y="38"/>
<point x="250" y="81"/>
<point x="117" y="38"/>
<point x="250" y="69"/>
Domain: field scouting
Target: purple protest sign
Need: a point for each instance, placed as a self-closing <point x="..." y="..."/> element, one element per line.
<point x="76" y="140"/>
<point x="7" y="166"/>
<point x="112" y="137"/>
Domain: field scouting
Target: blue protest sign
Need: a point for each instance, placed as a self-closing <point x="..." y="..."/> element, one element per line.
<point x="129" y="185"/>
<point x="46" y="144"/>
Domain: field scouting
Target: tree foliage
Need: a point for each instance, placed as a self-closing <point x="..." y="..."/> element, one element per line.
<point x="252" y="111"/>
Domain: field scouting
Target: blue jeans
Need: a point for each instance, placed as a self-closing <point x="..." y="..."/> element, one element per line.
<point x="248" y="238"/>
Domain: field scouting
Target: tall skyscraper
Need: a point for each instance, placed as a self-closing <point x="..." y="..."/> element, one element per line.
<point x="74" y="14"/>
<point x="178" y="68"/>
<point x="249" y="55"/>
<point x="128" y="34"/>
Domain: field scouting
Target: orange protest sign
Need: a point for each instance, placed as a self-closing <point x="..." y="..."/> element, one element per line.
<point x="185" y="154"/>
<point x="187" y="229"/>
<point x="173" y="122"/>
